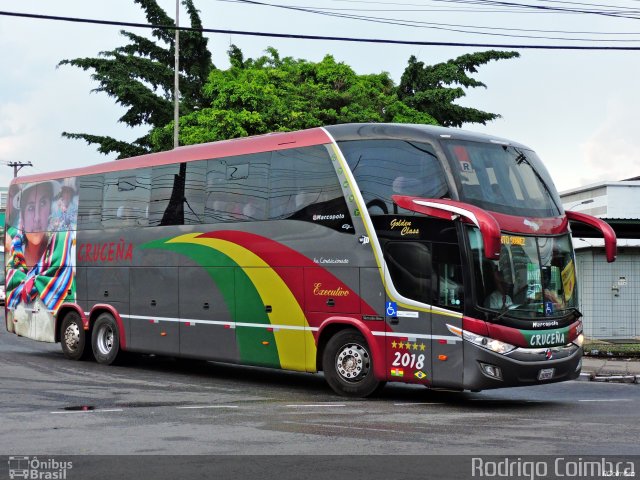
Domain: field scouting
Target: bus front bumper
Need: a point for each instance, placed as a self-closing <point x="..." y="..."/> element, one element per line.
<point x="484" y="369"/>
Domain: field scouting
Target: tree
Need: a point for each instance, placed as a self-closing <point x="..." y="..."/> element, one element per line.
<point x="425" y="88"/>
<point x="282" y="94"/>
<point x="140" y="77"/>
<point x="265" y="94"/>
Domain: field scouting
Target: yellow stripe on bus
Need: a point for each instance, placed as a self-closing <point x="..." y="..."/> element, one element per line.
<point x="275" y="292"/>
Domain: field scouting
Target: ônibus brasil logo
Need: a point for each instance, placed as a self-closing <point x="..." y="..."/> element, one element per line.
<point x="38" y="468"/>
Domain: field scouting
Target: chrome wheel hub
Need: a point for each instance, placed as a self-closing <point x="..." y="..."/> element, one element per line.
<point x="105" y="340"/>
<point x="72" y="337"/>
<point x="352" y="362"/>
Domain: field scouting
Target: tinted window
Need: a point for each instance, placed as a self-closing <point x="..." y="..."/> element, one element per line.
<point x="194" y="192"/>
<point x="237" y="188"/>
<point x="410" y="268"/>
<point x="304" y="186"/>
<point x="167" y="195"/>
<point x="502" y="179"/>
<point x="90" y="202"/>
<point x="449" y="291"/>
<point x="177" y="194"/>
<point x="125" y="201"/>
<point x="430" y="273"/>
<point x="383" y="168"/>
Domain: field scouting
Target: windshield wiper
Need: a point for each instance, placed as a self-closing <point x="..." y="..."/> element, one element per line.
<point x="576" y="313"/>
<point x="522" y="158"/>
<point x="506" y="309"/>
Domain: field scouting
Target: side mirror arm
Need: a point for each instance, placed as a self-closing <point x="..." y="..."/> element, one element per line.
<point x="610" y="240"/>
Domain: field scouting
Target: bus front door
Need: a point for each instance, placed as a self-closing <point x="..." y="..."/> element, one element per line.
<point x="410" y="272"/>
<point x="447" y="306"/>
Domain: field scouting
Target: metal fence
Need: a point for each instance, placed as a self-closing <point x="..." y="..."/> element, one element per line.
<point x="609" y="294"/>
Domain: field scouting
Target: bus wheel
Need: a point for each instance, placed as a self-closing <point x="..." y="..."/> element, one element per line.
<point x="348" y="366"/>
<point x="105" y="339"/>
<point x="73" y="338"/>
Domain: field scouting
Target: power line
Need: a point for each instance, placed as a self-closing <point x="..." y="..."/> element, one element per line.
<point x="510" y="6"/>
<point x="317" y="37"/>
<point x="448" y="27"/>
<point x="613" y="13"/>
<point x="480" y="2"/>
<point x="323" y="11"/>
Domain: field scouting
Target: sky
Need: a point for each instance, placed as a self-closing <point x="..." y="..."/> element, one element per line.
<point x="577" y="109"/>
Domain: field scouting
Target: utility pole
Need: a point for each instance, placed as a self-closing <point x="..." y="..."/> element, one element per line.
<point x="17" y="166"/>
<point x="176" y="80"/>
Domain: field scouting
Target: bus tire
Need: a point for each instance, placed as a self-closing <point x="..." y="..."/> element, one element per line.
<point x="73" y="337"/>
<point x="105" y="339"/>
<point x="348" y="365"/>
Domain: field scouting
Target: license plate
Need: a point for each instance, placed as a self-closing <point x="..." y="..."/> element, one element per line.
<point x="546" y="374"/>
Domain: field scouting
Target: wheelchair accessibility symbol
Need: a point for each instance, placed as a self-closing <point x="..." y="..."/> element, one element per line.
<point x="391" y="309"/>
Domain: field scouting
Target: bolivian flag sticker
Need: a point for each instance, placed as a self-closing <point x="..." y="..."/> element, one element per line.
<point x="397" y="372"/>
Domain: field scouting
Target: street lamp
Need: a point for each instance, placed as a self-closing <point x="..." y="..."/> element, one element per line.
<point x="588" y="243"/>
<point x="583" y="202"/>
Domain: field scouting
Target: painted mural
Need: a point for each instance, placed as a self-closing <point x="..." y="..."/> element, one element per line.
<point x="40" y="245"/>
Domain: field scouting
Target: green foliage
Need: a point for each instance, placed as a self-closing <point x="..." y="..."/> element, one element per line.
<point x="264" y="94"/>
<point x="140" y="77"/>
<point x="270" y="93"/>
<point x="109" y="145"/>
<point x="426" y="88"/>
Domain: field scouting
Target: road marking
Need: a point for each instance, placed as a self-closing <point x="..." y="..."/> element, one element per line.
<point x="411" y="404"/>
<point x="90" y="411"/>
<point x="196" y="407"/>
<point x="308" y="405"/>
<point x="348" y="427"/>
<point x="608" y="400"/>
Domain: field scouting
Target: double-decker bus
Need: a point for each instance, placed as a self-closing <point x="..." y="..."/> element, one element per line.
<point x="371" y="252"/>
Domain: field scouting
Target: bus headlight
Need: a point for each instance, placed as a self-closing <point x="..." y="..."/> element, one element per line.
<point x="482" y="341"/>
<point x="579" y="341"/>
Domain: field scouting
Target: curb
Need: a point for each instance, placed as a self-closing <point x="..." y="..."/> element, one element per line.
<point x="593" y="377"/>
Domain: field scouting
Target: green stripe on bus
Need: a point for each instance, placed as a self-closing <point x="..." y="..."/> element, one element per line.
<point x="243" y="302"/>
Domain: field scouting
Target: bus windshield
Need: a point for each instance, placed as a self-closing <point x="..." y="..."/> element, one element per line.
<point x="501" y="178"/>
<point x="534" y="277"/>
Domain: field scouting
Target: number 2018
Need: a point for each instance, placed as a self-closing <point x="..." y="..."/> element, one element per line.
<point x="408" y="360"/>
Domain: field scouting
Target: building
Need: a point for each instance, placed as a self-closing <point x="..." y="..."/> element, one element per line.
<point x="4" y="192"/>
<point x="609" y="293"/>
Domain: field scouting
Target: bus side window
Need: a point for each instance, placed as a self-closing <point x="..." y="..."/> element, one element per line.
<point x="90" y="202"/>
<point x="409" y="265"/>
<point x="237" y="188"/>
<point x="383" y="168"/>
<point x="125" y="198"/>
<point x="449" y="292"/>
<point x="304" y="186"/>
<point x="166" y="206"/>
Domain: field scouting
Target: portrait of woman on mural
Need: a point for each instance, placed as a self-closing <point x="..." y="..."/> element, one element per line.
<point x="40" y="256"/>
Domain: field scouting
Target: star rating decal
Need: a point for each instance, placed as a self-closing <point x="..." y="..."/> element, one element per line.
<point x="409" y="345"/>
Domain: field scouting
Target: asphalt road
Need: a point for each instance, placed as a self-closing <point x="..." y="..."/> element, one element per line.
<point x="160" y="406"/>
<point x="155" y="405"/>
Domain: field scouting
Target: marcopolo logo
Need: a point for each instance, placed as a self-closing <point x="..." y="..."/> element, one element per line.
<point x="38" y="468"/>
<point x="336" y="216"/>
